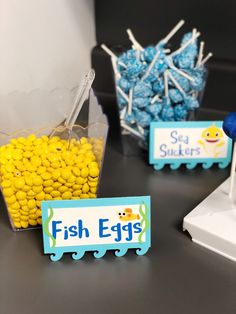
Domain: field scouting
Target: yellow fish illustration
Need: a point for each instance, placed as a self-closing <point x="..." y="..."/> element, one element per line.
<point x="128" y="215"/>
<point x="211" y="140"/>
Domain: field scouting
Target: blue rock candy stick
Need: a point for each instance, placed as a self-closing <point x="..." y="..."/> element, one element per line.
<point x="143" y="89"/>
<point x="180" y="113"/>
<point x="143" y="118"/>
<point x="229" y="125"/>
<point x="167" y="113"/>
<point x="175" y="96"/>
<point x="191" y="103"/>
<point x="158" y="87"/>
<point x="141" y="102"/>
<point x="154" y="109"/>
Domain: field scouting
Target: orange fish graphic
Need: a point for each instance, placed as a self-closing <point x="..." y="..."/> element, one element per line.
<point x="128" y="215"/>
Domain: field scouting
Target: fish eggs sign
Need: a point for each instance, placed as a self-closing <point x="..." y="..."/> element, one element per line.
<point x="189" y="143"/>
<point x="98" y="225"/>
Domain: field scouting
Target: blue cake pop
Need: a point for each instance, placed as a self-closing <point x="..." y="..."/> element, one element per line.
<point x="229" y="125"/>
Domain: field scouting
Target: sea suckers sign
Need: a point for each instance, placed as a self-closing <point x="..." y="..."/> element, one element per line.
<point x="97" y="225"/>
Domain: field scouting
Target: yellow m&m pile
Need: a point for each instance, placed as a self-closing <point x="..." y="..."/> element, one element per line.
<point x="33" y="169"/>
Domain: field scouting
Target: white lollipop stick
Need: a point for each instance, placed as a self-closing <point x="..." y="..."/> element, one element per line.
<point x="232" y="172"/>
<point x="111" y="54"/>
<point x="186" y="44"/>
<point x="125" y="126"/>
<point x="173" y="31"/>
<point x="200" y="54"/>
<point x="172" y="66"/>
<point x="115" y="69"/>
<point x="133" y="40"/>
<point x="122" y="113"/>
<point x="122" y="93"/>
<point x="129" y="111"/>
<point x="166" y="84"/>
<point x="151" y="65"/>
<point x="155" y="98"/>
<point x="141" y="130"/>
<point x="175" y="82"/>
<point x="206" y="58"/>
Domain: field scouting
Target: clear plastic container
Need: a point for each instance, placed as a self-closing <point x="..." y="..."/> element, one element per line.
<point x="63" y="162"/>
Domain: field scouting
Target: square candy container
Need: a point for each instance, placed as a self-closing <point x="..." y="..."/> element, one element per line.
<point x="51" y="164"/>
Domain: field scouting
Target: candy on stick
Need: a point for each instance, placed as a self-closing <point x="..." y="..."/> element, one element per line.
<point x="155" y="84"/>
<point x="229" y="127"/>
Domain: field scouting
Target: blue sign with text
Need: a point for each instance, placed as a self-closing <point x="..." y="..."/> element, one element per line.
<point x="190" y="143"/>
<point x="98" y="225"/>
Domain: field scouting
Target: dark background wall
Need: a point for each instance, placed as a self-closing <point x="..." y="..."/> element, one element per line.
<point x="151" y="20"/>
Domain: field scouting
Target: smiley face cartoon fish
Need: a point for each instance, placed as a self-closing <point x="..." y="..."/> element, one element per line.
<point x="128" y="215"/>
<point x="211" y="140"/>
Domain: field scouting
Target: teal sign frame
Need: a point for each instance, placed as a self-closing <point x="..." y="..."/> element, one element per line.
<point x="97" y="225"/>
<point x="168" y="138"/>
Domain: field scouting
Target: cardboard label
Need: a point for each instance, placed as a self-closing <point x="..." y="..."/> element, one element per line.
<point x="189" y="143"/>
<point x="98" y="225"/>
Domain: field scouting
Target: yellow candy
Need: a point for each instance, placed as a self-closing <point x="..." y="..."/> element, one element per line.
<point x="56" y="174"/>
<point x="66" y="195"/>
<point x="31" y="137"/>
<point x="25" y="218"/>
<point x="48" y="183"/>
<point x="31" y="193"/>
<point x="15" y="206"/>
<point x="84" y="195"/>
<point x="46" y="176"/>
<point x="92" y="195"/>
<point x="71" y="179"/>
<point x="61" y="180"/>
<point x="93" y="179"/>
<point x="55" y="193"/>
<point x="63" y="189"/>
<point x="24" y="213"/>
<point x="20" y="195"/>
<point x="32" y="211"/>
<point x="94" y="172"/>
<point x="58" y="198"/>
<point x="23" y="202"/>
<point x="92" y="184"/>
<point x="45" y="162"/>
<point x="76" y="171"/>
<point x="77" y="193"/>
<point x="24" y="224"/>
<point x="56" y="185"/>
<point x="37" y="180"/>
<point x="80" y="180"/>
<point x="85" y="188"/>
<point x="19" y="183"/>
<point x="27" y="154"/>
<point x="40" y="196"/>
<point x="17" y="224"/>
<point x="84" y="172"/>
<point x="68" y="184"/>
<point x="93" y="190"/>
<point x="33" y="216"/>
<point x="55" y="165"/>
<point x="33" y="222"/>
<point x="29" y="180"/>
<point x="77" y="187"/>
<point x="25" y="208"/>
<point x="6" y="183"/>
<point x="48" y="189"/>
<point x="26" y="188"/>
<point x="48" y="197"/>
<point x="32" y="168"/>
<point x="41" y="170"/>
<point x="13" y="211"/>
<point x="50" y="169"/>
<point x="65" y="174"/>
<point x="31" y="204"/>
<point x="36" y="161"/>
<point x="38" y="203"/>
<point x="39" y="221"/>
<point x="83" y="140"/>
<point x="45" y="138"/>
<point x="8" y="192"/>
<point x="11" y="199"/>
<point x="39" y="213"/>
<point x="37" y="189"/>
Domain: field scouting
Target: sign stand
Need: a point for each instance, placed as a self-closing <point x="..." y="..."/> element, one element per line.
<point x="212" y="223"/>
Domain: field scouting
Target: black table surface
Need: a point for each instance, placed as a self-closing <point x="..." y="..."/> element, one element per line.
<point x="175" y="276"/>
